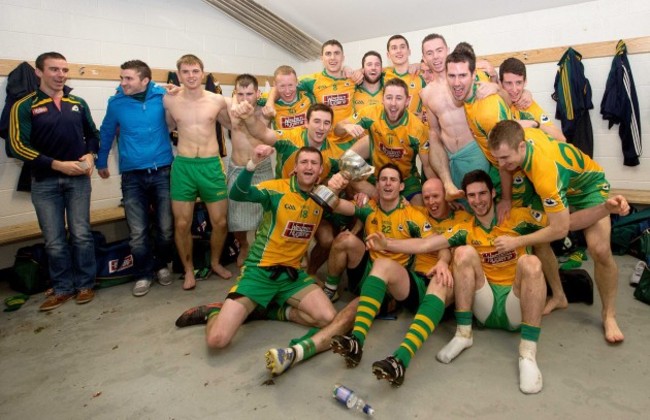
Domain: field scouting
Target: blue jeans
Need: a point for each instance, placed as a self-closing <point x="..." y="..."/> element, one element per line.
<point x="72" y="265"/>
<point x="147" y="202"/>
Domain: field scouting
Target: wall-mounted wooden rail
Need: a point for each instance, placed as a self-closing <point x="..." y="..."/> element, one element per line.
<point x="99" y="72"/>
<point x="590" y="50"/>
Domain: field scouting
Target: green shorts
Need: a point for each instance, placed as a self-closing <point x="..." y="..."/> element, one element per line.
<point x="256" y="284"/>
<point x="596" y="193"/>
<point x="498" y="318"/>
<point x="202" y="177"/>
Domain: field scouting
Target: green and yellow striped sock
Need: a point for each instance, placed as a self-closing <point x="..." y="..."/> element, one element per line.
<point x="373" y="291"/>
<point x="425" y="321"/>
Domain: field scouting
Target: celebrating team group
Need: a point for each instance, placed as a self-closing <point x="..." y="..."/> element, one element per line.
<point x="466" y="183"/>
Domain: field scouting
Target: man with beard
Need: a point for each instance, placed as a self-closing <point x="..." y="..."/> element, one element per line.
<point x="395" y="135"/>
<point x="370" y="91"/>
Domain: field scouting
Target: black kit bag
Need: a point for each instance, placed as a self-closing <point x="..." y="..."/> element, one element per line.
<point x="578" y="286"/>
<point x="114" y="261"/>
<point x="30" y="274"/>
<point x="642" y="291"/>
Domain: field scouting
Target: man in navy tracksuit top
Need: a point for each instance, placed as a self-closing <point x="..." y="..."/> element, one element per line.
<point x="145" y="158"/>
<point x="54" y="131"/>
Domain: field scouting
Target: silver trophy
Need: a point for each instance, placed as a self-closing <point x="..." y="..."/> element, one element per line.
<point x="351" y="166"/>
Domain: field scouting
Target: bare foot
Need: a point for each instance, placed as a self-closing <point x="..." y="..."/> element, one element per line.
<point x="454" y="193"/>
<point x="221" y="271"/>
<point x="613" y="334"/>
<point x="554" y="303"/>
<point x="190" y="282"/>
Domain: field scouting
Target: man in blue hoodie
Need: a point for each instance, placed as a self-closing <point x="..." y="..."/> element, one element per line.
<point x="145" y="158"/>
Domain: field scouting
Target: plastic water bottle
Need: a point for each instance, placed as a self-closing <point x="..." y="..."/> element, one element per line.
<point x="348" y="398"/>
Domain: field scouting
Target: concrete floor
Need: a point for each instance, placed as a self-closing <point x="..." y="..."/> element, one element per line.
<point x="121" y="357"/>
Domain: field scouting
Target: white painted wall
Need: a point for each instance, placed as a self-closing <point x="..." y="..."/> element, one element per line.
<point x="109" y="33"/>
<point x="602" y="20"/>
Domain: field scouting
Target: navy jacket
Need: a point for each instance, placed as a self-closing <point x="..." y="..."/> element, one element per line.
<point x="621" y="106"/>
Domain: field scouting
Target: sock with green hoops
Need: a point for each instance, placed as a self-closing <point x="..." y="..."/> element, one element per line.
<point x="424" y="323"/>
<point x="373" y="291"/>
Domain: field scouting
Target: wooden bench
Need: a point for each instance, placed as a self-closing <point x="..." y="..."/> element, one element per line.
<point x="30" y="230"/>
<point x="632" y="196"/>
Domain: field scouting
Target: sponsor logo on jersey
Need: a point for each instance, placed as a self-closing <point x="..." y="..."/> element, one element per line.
<point x="549" y="202"/>
<point x="75" y="108"/>
<point x="400" y="227"/>
<point x="316" y="212"/>
<point x="298" y="230"/>
<point x="39" y="110"/>
<point x="294" y="121"/>
<point x="518" y="180"/>
<point x="412" y="85"/>
<point x="427" y="226"/>
<point x="338" y="99"/>
<point x="391" y="152"/>
<point x="496" y="257"/>
<point x="536" y="215"/>
<point x="544" y="119"/>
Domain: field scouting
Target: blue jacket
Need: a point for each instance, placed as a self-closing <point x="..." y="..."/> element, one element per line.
<point x="620" y="105"/>
<point x="143" y="134"/>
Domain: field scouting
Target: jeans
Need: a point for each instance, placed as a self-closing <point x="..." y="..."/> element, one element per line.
<point x="147" y="201"/>
<point x="72" y="265"/>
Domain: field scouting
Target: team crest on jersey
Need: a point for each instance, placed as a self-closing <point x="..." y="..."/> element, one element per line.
<point x="544" y="119"/>
<point x="391" y="152"/>
<point x="549" y="202"/>
<point x="338" y="99"/>
<point x="293" y="121"/>
<point x="75" y="108"/>
<point x="536" y="215"/>
<point x="518" y="180"/>
<point x="298" y="230"/>
<point x="39" y="110"/>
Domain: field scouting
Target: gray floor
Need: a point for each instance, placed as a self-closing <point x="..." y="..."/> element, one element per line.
<point x="121" y="357"/>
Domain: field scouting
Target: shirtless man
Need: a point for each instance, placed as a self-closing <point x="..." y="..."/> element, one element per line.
<point x="245" y="216"/>
<point x="452" y="149"/>
<point x="197" y="169"/>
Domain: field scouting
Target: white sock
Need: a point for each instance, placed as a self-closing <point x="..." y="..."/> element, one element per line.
<point x="462" y="340"/>
<point x="530" y="377"/>
<point x="298" y="352"/>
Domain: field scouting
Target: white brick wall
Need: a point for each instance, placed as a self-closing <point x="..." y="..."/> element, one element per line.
<point x="602" y="20"/>
<point x="109" y="33"/>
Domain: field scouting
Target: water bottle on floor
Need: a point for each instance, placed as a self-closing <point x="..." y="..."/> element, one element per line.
<point x="348" y="398"/>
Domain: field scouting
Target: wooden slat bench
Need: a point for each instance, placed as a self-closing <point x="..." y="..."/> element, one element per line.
<point x="30" y="230"/>
<point x="632" y="196"/>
